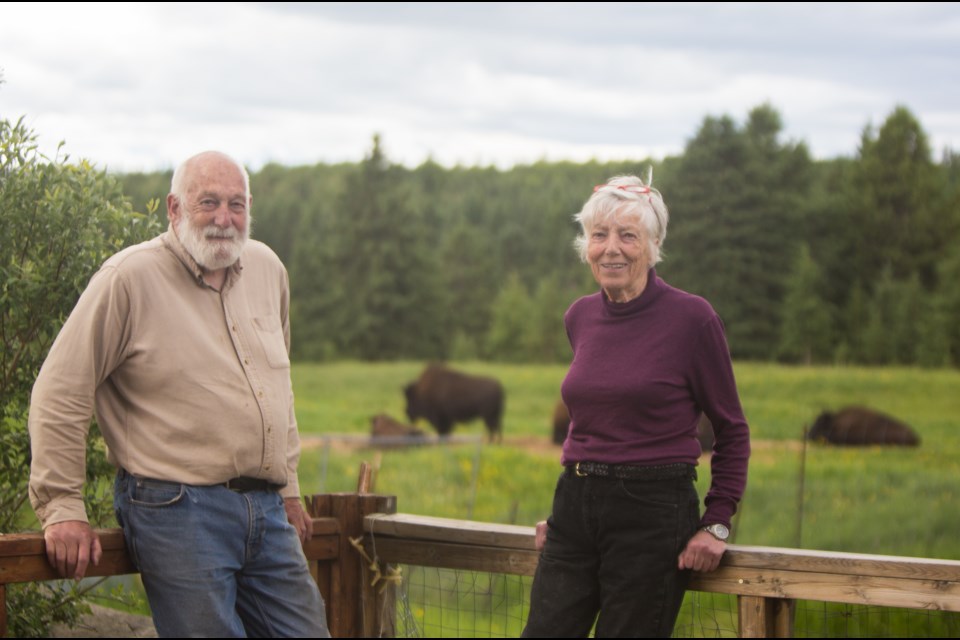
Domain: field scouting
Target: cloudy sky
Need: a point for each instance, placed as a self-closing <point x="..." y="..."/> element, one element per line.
<point x="141" y="86"/>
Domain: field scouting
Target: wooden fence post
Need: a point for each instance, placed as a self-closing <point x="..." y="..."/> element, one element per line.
<point x="353" y="606"/>
<point x="318" y="506"/>
<point x="3" y="611"/>
<point x="378" y="601"/>
<point x="762" y="617"/>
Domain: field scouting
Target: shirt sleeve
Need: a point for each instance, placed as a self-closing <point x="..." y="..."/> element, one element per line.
<point x="715" y="390"/>
<point x="88" y="348"/>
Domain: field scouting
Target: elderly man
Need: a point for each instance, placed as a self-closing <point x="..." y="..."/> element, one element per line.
<point x="180" y="345"/>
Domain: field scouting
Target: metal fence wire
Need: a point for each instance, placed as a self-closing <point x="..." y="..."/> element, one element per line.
<point x="447" y="603"/>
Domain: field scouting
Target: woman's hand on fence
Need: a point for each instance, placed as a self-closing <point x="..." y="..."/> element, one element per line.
<point x="541" y="538"/>
<point x="71" y="547"/>
<point x="702" y="553"/>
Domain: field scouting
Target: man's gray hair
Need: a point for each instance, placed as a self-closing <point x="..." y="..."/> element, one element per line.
<point x="177" y="186"/>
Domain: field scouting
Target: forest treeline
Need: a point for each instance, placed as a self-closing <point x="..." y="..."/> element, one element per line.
<point x="847" y="260"/>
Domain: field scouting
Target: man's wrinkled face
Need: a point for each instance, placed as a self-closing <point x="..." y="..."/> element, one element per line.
<point x="212" y="219"/>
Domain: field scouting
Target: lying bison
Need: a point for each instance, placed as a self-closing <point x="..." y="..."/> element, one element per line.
<point x="705" y="434"/>
<point x="384" y="426"/>
<point x="443" y="396"/>
<point x="561" y="422"/>
<point x="861" y="426"/>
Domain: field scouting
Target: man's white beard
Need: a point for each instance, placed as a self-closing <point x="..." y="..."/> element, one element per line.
<point x="211" y="255"/>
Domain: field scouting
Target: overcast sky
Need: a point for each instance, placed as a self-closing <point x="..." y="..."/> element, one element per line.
<point x="141" y="86"/>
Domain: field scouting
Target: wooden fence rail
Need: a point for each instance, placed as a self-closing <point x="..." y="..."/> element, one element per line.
<point x="767" y="581"/>
<point x="357" y="536"/>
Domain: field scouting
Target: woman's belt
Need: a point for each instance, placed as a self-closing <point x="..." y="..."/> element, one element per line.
<point x="633" y="472"/>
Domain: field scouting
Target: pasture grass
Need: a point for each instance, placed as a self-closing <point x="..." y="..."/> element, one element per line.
<point x="893" y="501"/>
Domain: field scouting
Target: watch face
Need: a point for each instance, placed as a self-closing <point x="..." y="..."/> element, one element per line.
<point x="719" y="530"/>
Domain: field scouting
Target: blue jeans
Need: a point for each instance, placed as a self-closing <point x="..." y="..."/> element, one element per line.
<point x="216" y="563"/>
<point x="612" y="548"/>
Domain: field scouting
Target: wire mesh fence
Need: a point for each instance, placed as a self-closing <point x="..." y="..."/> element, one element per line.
<point x="447" y="603"/>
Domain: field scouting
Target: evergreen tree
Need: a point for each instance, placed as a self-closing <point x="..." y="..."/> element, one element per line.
<point x="508" y="337"/>
<point x="378" y="265"/>
<point x="737" y="199"/>
<point x="807" y="319"/>
<point x="895" y="209"/>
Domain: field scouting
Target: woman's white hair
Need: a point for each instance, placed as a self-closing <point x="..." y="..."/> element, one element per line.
<point x="625" y="197"/>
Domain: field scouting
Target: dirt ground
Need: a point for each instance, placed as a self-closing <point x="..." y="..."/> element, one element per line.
<point x="103" y="622"/>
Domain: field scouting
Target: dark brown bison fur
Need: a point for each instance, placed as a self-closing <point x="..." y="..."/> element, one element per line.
<point x="861" y="426"/>
<point x="384" y="426"/>
<point x="443" y="397"/>
<point x="705" y="433"/>
<point x="561" y="422"/>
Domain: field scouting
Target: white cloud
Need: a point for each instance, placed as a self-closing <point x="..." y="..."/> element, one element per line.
<point x="139" y="86"/>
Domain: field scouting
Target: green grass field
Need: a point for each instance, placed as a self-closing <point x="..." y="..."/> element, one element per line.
<point x="869" y="500"/>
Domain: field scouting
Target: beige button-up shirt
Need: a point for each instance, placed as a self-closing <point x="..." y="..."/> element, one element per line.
<point x="188" y="384"/>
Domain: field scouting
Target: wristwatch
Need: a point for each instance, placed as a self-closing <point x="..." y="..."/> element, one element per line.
<point x="718" y="531"/>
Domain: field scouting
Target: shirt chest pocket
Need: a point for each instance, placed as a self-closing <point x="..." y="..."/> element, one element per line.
<point x="270" y="333"/>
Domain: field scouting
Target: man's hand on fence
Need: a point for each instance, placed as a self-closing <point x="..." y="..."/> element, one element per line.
<point x="71" y="547"/>
<point x="299" y="518"/>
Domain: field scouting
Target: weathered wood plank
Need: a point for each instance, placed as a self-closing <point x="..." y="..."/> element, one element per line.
<point x="455" y="556"/>
<point x="745" y="556"/>
<point x="404" y="525"/>
<point x="23" y="556"/>
<point x="853" y="589"/>
<point x="841" y="563"/>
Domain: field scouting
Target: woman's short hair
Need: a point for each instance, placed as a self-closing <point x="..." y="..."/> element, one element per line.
<point x="625" y="197"/>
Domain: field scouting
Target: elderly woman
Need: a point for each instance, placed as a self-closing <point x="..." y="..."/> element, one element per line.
<point x="626" y="528"/>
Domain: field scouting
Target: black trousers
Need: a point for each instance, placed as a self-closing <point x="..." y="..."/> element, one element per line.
<point x="612" y="549"/>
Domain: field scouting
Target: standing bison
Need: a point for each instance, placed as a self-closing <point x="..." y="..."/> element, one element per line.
<point x="861" y="426"/>
<point x="443" y="396"/>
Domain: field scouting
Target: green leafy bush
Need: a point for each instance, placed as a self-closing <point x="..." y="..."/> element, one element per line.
<point x="59" y="220"/>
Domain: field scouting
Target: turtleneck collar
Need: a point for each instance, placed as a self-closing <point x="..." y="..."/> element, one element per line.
<point x="651" y="292"/>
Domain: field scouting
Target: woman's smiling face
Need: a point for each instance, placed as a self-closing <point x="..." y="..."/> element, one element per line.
<point x="618" y="252"/>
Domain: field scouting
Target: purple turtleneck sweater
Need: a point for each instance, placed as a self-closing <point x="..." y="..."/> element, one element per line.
<point x="642" y="372"/>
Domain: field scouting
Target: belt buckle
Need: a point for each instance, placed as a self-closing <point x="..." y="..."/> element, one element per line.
<point x="576" y="470"/>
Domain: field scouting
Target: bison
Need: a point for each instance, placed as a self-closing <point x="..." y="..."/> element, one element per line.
<point x="443" y="397"/>
<point x="384" y="426"/>
<point x="861" y="426"/>
<point x="561" y="422"/>
<point x="705" y="433"/>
